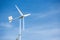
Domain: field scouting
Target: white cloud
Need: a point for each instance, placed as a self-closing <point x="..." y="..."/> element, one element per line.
<point x="48" y="34"/>
<point x="8" y="25"/>
<point x="34" y="34"/>
<point x="46" y="14"/>
<point x="8" y="31"/>
<point x="48" y="31"/>
<point x="49" y="13"/>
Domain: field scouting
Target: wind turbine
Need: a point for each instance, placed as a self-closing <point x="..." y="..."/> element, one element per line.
<point x="21" y="19"/>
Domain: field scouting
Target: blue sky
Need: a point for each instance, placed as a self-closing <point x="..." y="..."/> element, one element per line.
<point x="43" y="24"/>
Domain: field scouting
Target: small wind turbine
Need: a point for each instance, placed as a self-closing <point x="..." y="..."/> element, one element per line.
<point x="21" y="19"/>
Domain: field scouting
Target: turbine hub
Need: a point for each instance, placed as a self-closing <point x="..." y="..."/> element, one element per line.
<point x="21" y="16"/>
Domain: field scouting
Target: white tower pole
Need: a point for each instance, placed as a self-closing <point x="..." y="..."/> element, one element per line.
<point x="20" y="31"/>
<point x="23" y="24"/>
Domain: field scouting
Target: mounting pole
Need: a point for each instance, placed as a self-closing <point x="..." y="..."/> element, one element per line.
<point x="20" y="30"/>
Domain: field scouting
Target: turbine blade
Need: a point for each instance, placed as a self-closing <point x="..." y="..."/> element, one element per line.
<point x="19" y="10"/>
<point x="10" y="18"/>
<point x="23" y="24"/>
<point x="27" y="15"/>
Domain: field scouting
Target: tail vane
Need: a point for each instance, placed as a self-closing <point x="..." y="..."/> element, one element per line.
<point x="10" y="18"/>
